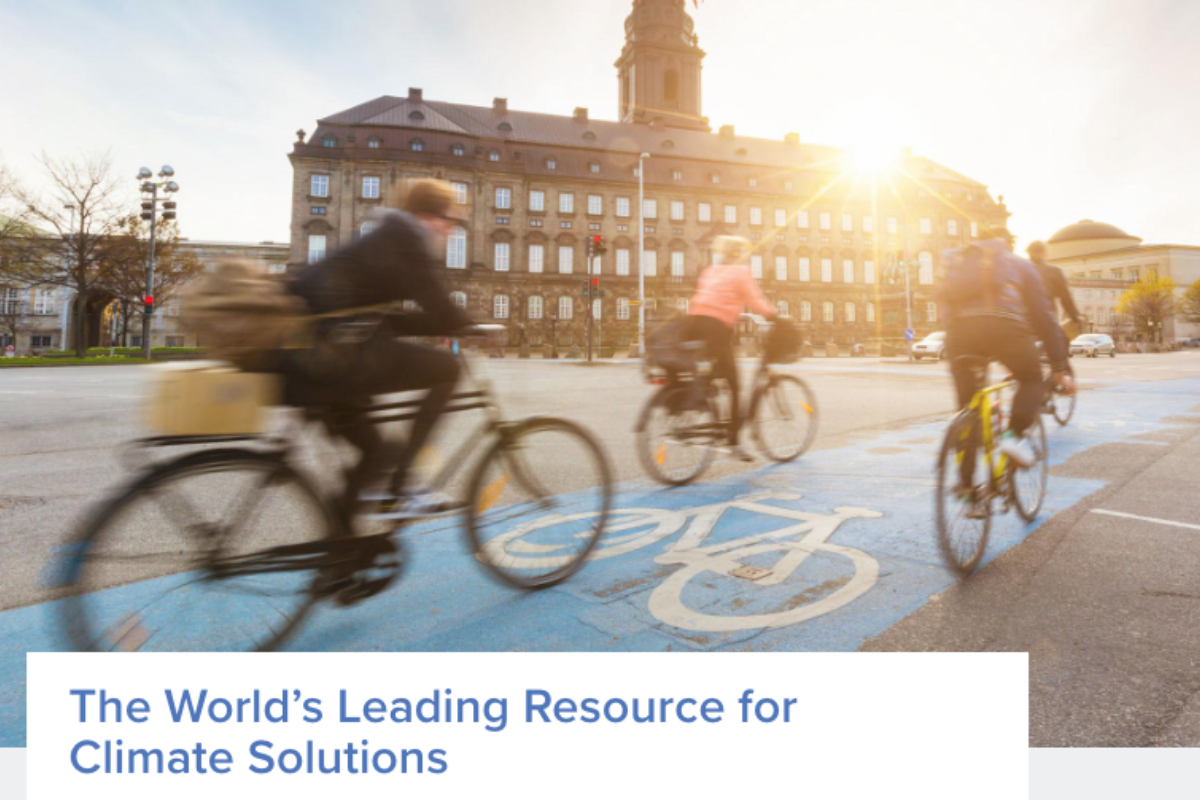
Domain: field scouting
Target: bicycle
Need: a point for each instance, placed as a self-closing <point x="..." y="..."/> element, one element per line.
<point x="209" y="582"/>
<point x="680" y="429"/>
<point x="967" y="486"/>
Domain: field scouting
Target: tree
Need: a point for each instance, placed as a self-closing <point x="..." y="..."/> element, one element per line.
<point x="1189" y="306"/>
<point x="1149" y="303"/>
<point x="61" y="242"/>
<point x="125" y="262"/>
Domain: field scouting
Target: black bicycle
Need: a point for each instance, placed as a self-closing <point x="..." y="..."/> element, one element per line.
<point x="230" y="548"/>
<point x="685" y="423"/>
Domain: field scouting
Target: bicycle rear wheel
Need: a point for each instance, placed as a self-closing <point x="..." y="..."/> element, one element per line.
<point x="676" y="436"/>
<point x="785" y="418"/>
<point x="964" y="519"/>
<point x="539" y="502"/>
<point x="149" y="570"/>
<point x="1027" y="487"/>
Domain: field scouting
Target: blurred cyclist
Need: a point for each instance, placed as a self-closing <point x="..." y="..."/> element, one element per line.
<point x="395" y="261"/>
<point x="725" y="289"/>
<point x="993" y="299"/>
<point x="1057" y="290"/>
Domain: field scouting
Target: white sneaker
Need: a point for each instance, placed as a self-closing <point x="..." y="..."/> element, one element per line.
<point x="1018" y="449"/>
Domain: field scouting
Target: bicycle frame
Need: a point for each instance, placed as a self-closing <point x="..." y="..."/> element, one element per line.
<point x="983" y="405"/>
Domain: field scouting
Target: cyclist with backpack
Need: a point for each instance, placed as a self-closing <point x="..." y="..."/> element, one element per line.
<point x="995" y="303"/>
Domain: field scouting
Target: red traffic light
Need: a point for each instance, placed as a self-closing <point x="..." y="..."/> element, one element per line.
<point x="149" y="300"/>
<point x="595" y="281"/>
<point x="597" y="239"/>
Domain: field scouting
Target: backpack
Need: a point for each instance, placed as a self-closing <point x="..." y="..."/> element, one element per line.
<point x="241" y="314"/>
<point x="980" y="278"/>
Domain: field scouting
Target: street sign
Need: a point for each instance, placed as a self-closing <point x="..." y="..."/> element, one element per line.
<point x="909" y="334"/>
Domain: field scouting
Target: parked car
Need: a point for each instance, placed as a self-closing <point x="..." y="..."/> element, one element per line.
<point x="932" y="346"/>
<point x="1093" y="345"/>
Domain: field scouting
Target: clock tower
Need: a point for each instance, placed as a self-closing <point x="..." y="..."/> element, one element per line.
<point x="659" y="68"/>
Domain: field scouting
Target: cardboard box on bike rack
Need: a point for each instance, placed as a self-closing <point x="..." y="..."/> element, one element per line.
<point x="208" y="398"/>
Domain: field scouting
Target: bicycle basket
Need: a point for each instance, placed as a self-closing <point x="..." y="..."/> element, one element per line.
<point x="783" y="342"/>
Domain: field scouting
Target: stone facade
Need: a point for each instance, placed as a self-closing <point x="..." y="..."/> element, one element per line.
<point x="533" y="188"/>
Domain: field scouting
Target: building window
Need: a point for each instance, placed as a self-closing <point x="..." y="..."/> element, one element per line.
<point x="974" y="230"/>
<point x="459" y="299"/>
<point x="596" y="306"/>
<point x="931" y="311"/>
<point x="805" y="311"/>
<point x="650" y="263"/>
<point x="456" y="249"/>
<point x="952" y="227"/>
<point x="805" y="273"/>
<point x="551" y="164"/>
<point x="566" y="259"/>
<point x="704" y="212"/>
<point x="752" y="183"/>
<point x="677" y="266"/>
<point x="869" y="273"/>
<point x="730" y="215"/>
<point x="827" y="270"/>
<point x="503" y="197"/>
<point x="716" y="178"/>
<point x="43" y="300"/>
<point x="755" y="215"/>
<point x="1116" y="274"/>
<point x="781" y="268"/>
<point x="677" y="175"/>
<point x="827" y="311"/>
<point x="925" y="273"/>
<point x="500" y="306"/>
<point x="536" y="223"/>
<point x="595" y="204"/>
<point x="501" y="260"/>
<point x="623" y="261"/>
<point x="536" y="306"/>
<point x="622" y="308"/>
<point x="926" y="226"/>
<point x="537" y="201"/>
<point x="651" y="209"/>
<point x="826" y="221"/>
<point x="566" y="308"/>
<point x="677" y="210"/>
<point x="564" y="225"/>
<point x="493" y="155"/>
<point x="622" y="206"/>
<point x="329" y="141"/>
<point x="851" y="313"/>
<point x="892" y="225"/>
<point x="847" y="222"/>
<point x="40" y="341"/>
<point x="566" y="203"/>
<point x="756" y="267"/>
<point x="594" y="167"/>
<point x="318" y="211"/>
<point x="868" y="224"/>
<point x="780" y="218"/>
<point x="781" y="308"/>
<point x="537" y="256"/>
<point x="802" y="219"/>
<point x="316" y="247"/>
<point x="460" y="192"/>
<point x="319" y="187"/>
<point x="459" y="150"/>
<point x="370" y="188"/>
<point x="848" y="270"/>
<point x="870" y="312"/>
<point x="416" y="145"/>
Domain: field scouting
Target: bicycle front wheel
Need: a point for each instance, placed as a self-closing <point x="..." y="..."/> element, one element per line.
<point x="963" y="499"/>
<point x="785" y="418"/>
<point x="539" y="502"/>
<point x="149" y="571"/>
<point x="1027" y="487"/>
<point x="677" y="435"/>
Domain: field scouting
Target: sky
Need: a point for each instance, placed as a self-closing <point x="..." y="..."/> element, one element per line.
<point x="1070" y="109"/>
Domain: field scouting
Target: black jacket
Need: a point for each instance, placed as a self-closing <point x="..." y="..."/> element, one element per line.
<point x="1055" y="281"/>
<point x="392" y="263"/>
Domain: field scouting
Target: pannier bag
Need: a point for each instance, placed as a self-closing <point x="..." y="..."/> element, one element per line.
<point x="208" y="398"/>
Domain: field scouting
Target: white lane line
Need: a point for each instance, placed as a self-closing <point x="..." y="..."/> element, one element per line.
<point x="1168" y="522"/>
<point x="1144" y="441"/>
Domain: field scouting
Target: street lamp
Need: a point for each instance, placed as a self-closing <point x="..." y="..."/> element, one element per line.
<point x="150" y="213"/>
<point x="642" y="254"/>
<point x="554" y="333"/>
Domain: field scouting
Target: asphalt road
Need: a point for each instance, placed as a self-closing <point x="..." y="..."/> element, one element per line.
<point x="1105" y="602"/>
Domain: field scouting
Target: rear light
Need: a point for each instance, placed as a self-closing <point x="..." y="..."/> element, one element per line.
<point x="659" y="381"/>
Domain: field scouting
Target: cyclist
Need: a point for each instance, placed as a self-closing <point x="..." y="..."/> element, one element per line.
<point x="992" y="298"/>
<point x="1057" y="290"/>
<point x="393" y="262"/>
<point x="725" y="289"/>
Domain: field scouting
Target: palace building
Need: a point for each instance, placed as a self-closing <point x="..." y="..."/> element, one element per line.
<point x="533" y="187"/>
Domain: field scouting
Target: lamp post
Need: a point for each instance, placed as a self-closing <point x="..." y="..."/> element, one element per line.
<point x="554" y="333"/>
<point x="150" y="212"/>
<point x="642" y="254"/>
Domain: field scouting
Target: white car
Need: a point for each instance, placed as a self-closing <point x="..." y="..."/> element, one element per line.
<point x="932" y="346"/>
<point x="1093" y="345"/>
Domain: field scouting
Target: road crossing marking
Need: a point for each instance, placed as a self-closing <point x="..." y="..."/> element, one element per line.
<point x="1156" y="520"/>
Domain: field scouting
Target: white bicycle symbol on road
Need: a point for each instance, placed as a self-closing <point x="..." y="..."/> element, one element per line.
<point x="804" y="535"/>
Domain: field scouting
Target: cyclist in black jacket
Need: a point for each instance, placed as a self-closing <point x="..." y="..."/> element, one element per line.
<point x="1058" y="292"/>
<point x="393" y="262"/>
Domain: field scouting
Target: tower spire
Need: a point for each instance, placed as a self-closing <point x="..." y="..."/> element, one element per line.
<point x="659" y="71"/>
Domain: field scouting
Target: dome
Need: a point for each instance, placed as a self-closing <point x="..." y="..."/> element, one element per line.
<point x="1087" y="229"/>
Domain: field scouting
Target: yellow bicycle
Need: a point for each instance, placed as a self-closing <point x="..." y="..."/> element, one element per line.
<point x="969" y="487"/>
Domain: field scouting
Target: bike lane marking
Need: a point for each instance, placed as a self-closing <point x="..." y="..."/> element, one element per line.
<point x="446" y="602"/>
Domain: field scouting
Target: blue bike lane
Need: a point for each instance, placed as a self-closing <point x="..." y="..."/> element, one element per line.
<point x="845" y="538"/>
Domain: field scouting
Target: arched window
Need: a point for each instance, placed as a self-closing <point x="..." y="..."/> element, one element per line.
<point x="851" y="313"/>
<point x="781" y="308"/>
<point x="459" y="299"/>
<point x="827" y="311"/>
<point x="565" y="307"/>
<point x="535" y="306"/>
<point x="671" y="86"/>
<point x="805" y="311"/>
<point x="456" y="249"/>
<point x="870" y="312"/>
<point x="505" y="127"/>
<point x="500" y="306"/>
<point x="416" y="116"/>
<point x="417" y="145"/>
<point x="925" y="274"/>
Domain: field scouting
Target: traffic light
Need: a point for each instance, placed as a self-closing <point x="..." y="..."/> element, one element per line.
<point x="149" y="301"/>
<point x="586" y="287"/>
<point x="598" y="247"/>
